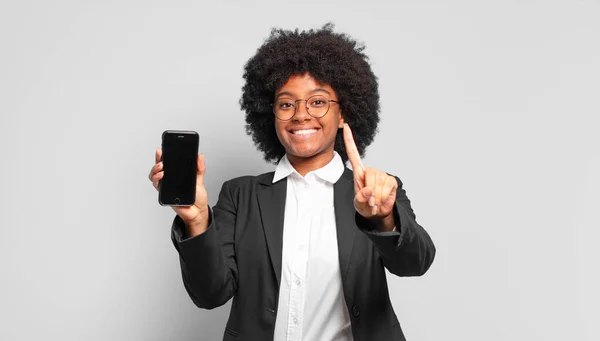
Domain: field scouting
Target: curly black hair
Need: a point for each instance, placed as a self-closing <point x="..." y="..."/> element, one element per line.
<point x="331" y="58"/>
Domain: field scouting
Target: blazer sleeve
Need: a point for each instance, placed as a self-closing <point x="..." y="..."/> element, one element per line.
<point x="408" y="251"/>
<point x="208" y="264"/>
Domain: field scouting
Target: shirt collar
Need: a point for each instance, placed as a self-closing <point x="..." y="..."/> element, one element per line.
<point x="331" y="172"/>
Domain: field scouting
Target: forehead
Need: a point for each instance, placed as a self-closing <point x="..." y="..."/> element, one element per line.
<point x="303" y="84"/>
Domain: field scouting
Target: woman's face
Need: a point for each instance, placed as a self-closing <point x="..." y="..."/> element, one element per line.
<point x="303" y="136"/>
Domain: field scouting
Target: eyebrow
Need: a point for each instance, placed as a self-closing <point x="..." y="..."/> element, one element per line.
<point x="283" y="93"/>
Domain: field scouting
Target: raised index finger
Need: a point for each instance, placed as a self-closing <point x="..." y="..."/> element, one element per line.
<point x="351" y="150"/>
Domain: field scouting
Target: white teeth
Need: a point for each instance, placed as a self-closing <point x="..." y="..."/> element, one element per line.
<point x="304" y="131"/>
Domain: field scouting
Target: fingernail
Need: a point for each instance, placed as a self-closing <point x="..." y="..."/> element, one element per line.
<point x="372" y="201"/>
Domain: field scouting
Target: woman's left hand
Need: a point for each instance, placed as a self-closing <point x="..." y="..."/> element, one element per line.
<point x="374" y="190"/>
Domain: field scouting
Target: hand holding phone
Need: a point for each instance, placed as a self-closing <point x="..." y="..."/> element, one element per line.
<point x="195" y="215"/>
<point x="180" y="153"/>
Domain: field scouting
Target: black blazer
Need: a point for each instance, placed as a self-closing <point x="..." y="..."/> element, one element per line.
<point x="239" y="256"/>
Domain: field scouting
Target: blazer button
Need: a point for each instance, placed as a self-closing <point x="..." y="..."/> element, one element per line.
<point x="355" y="311"/>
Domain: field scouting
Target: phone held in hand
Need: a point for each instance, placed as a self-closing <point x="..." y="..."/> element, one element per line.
<point x="179" y="157"/>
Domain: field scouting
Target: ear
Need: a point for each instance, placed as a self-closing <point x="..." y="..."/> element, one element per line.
<point x="341" y="122"/>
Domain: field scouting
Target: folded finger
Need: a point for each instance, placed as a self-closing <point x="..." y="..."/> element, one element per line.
<point x="370" y="179"/>
<point x="380" y="178"/>
<point x="389" y="192"/>
<point x="156" y="178"/>
<point x="374" y="209"/>
<point x="389" y="187"/>
<point x="156" y="168"/>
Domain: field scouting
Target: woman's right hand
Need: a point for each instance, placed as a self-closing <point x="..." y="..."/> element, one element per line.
<point x="195" y="216"/>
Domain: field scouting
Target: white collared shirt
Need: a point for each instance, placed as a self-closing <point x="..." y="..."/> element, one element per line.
<point x="311" y="299"/>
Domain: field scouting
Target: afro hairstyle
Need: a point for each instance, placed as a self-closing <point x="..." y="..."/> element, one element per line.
<point x="331" y="58"/>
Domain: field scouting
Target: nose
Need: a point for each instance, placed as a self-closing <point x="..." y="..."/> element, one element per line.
<point x="302" y="112"/>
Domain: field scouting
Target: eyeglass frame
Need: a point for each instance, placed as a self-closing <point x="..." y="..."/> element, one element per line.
<point x="329" y="101"/>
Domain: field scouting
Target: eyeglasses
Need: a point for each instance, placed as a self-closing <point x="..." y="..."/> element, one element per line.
<point x="317" y="106"/>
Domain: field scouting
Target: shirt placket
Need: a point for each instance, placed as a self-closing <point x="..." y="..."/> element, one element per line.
<point x="298" y="276"/>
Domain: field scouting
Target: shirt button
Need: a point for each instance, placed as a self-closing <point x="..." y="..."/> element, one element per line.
<point x="297" y="282"/>
<point x="355" y="311"/>
<point x="295" y="320"/>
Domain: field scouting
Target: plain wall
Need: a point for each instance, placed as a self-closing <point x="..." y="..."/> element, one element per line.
<point x="489" y="116"/>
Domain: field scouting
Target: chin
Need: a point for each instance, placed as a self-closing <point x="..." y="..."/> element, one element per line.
<point x="305" y="153"/>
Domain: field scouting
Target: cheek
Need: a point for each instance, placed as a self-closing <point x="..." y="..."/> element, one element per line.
<point x="337" y="120"/>
<point x="280" y="130"/>
<point x="334" y="124"/>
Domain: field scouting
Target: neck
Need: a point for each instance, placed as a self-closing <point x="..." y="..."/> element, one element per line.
<point x="306" y="165"/>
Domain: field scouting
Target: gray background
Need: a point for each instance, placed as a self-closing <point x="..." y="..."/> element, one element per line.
<point x="489" y="116"/>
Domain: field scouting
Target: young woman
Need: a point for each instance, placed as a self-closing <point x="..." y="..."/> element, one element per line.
<point x="302" y="250"/>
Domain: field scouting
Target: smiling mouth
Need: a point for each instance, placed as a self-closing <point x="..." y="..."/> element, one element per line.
<point x="303" y="131"/>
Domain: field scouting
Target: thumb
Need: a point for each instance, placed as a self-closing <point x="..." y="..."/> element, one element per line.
<point x="201" y="170"/>
<point x="363" y="197"/>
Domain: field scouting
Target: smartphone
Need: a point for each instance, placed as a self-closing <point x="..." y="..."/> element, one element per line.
<point x="179" y="157"/>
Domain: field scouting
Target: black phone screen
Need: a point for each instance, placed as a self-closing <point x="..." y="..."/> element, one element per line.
<point x="179" y="157"/>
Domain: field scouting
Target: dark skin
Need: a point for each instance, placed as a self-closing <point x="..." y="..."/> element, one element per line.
<point x="311" y="151"/>
<point x="309" y="145"/>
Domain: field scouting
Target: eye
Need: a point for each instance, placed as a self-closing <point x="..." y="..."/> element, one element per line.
<point x="317" y="102"/>
<point x="285" y="105"/>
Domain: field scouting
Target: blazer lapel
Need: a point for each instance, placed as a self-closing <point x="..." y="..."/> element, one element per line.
<point x="343" y="200"/>
<point x="271" y="202"/>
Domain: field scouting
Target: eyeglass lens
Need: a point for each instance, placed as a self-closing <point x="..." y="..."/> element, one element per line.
<point x="317" y="106"/>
